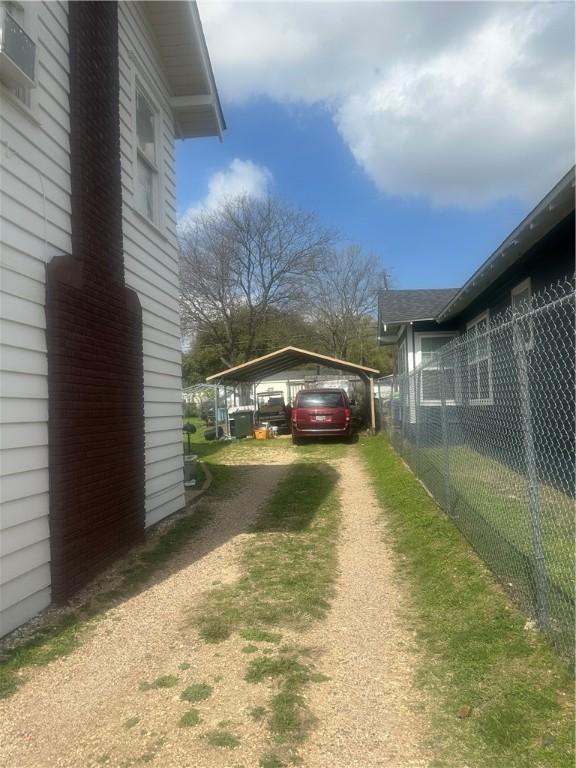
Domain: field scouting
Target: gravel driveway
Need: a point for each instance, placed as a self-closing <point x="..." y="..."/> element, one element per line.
<point x="76" y="711"/>
<point x="368" y="711"/>
<point x="89" y="709"/>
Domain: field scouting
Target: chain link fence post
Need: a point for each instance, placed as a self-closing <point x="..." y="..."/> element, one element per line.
<point x="402" y="392"/>
<point x="417" y="414"/>
<point x="519" y="347"/>
<point x="445" y="438"/>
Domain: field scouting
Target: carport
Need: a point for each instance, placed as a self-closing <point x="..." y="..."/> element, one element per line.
<point x="289" y="357"/>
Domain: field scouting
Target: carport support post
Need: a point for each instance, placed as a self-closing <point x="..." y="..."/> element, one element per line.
<point x="372" y="408"/>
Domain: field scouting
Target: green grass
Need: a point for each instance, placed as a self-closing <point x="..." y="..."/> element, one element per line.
<point x="500" y="496"/>
<point x="288" y="572"/>
<point x="164" y="681"/>
<point x="271" y="760"/>
<point x="476" y="651"/>
<point x="131" y="722"/>
<point x="288" y="566"/>
<point x="61" y="638"/>
<point x="289" y="718"/>
<point x="223" y="738"/>
<point x="260" y="635"/>
<point x="46" y="646"/>
<point x="197" y="692"/>
<point x="250" y="649"/>
<point x="189" y="719"/>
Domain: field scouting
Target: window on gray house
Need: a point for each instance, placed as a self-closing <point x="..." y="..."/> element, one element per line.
<point x="479" y="363"/>
<point x="429" y="345"/>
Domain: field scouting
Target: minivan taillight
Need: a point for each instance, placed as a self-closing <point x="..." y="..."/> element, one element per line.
<point x="294" y="414"/>
<point x="347" y="414"/>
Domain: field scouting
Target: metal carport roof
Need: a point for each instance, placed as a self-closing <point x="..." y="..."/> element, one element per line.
<point x="283" y="359"/>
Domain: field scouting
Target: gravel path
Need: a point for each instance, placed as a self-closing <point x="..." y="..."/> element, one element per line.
<point x="74" y="713"/>
<point x="87" y="709"/>
<point x="368" y="711"/>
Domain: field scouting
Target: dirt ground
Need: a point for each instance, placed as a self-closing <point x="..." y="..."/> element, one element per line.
<point x="88" y="709"/>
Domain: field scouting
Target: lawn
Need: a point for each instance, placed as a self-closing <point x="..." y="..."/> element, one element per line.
<point x="500" y="495"/>
<point x="248" y="450"/>
<point x="499" y="695"/>
<point x="489" y="504"/>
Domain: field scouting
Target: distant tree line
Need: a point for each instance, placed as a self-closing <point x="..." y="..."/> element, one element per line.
<point x="257" y="275"/>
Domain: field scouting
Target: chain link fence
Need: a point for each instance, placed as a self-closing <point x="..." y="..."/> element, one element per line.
<point x="487" y="423"/>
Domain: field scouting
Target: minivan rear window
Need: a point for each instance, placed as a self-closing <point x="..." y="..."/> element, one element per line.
<point x="319" y="400"/>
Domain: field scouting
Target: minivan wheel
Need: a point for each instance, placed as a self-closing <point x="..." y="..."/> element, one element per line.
<point x="296" y="440"/>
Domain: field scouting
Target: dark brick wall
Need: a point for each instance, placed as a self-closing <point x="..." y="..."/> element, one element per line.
<point x="94" y="331"/>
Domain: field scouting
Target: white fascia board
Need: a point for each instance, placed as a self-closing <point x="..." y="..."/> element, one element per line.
<point x="207" y="66"/>
<point x="190" y="102"/>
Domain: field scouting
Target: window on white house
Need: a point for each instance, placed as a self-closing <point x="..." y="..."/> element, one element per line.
<point x="146" y="188"/>
<point x="479" y="362"/>
<point x="18" y="61"/>
<point x="520" y="300"/>
<point x="427" y="347"/>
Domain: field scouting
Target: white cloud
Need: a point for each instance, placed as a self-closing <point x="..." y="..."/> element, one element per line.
<point x="460" y="103"/>
<point x="242" y="177"/>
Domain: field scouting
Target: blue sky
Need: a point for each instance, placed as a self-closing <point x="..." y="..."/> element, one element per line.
<point x="422" y="131"/>
<point x="422" y="246"/>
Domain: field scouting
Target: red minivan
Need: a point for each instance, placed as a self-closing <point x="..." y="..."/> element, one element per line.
<point x="321" y="413"/>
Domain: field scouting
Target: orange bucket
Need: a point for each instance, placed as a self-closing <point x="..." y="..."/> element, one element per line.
<point x="261" y="433"/>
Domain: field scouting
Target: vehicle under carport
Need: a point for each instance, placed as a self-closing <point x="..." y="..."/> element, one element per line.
<point x="255" y="370"/>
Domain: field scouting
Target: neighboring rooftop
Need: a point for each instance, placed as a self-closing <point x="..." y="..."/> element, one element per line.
<point x="407" y="306"/>
<point x="440" y="304"/>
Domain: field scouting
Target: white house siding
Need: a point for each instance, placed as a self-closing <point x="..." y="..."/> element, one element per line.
<point x="151" y="266"/>
<point x="34" y="227"/>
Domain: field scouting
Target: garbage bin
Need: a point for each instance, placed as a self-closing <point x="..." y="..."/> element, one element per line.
<point x="243" y="423"/>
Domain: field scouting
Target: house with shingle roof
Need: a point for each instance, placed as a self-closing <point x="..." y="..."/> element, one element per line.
<point x="538" y="253"/>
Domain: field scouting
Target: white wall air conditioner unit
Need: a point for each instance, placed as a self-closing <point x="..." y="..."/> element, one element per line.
<point x="17" y="53"/>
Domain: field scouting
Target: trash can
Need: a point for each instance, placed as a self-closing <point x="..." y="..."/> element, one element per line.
<point x="243" y="423"/>
<point x="210" y="434"/>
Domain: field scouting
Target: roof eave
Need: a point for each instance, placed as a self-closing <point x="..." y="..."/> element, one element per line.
<point x="220" y="123"/>
<point x="197" y="112"/>
<point x="407" y="320"/>
<point x="549" y="212"/>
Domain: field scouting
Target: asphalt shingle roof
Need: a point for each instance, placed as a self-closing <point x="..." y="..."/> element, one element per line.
<point x="406" y="306"/>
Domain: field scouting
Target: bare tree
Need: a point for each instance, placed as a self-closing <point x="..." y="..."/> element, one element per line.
<point x="242" y="261"/>
<point x="345" y="300"/>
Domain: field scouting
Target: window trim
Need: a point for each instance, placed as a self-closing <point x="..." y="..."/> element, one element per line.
<point x="29" y="23"/>
<point x="139" y="156"/>
<point x="485" y="315"/>
<point x="520" y="288"/>
<point x="402" y="355"/>
<point x="418" y="335"/>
